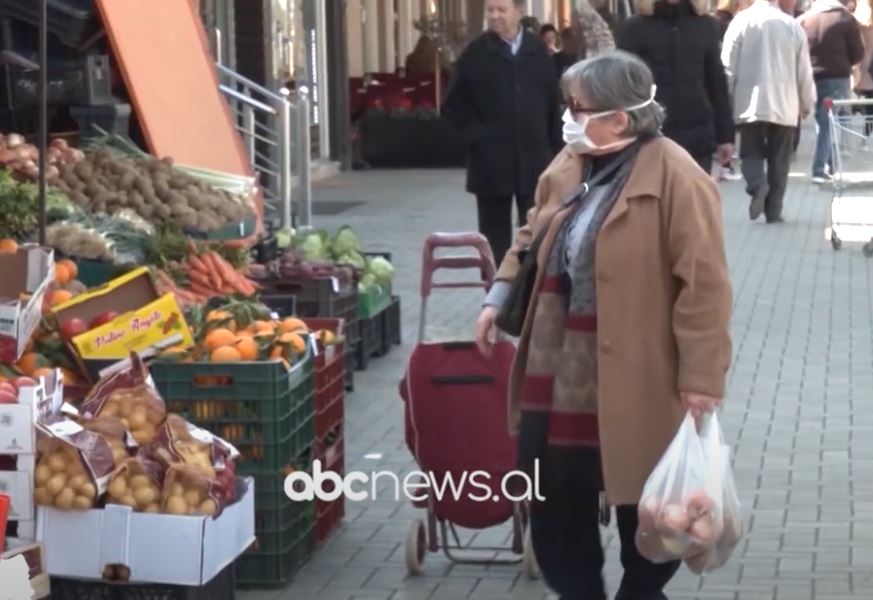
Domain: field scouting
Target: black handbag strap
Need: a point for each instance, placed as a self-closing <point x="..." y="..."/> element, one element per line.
<point x="580" y="191"/>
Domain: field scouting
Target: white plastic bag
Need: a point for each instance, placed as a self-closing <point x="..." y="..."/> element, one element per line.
<point x="681" y="509"/>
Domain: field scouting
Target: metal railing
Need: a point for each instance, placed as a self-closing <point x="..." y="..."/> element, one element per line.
<point x="275" y="129"/>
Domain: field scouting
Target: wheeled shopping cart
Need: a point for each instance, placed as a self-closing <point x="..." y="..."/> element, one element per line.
<point x="456" y="423"/>
<point x="851" y="210"/>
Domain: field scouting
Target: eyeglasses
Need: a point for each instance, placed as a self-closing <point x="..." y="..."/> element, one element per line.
<point x="576" y="109"/>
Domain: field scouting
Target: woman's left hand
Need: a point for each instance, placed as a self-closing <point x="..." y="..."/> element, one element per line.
<point x="699" y="404"/>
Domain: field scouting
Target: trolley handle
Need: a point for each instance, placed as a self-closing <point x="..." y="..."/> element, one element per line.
<point x="482" y="260"/>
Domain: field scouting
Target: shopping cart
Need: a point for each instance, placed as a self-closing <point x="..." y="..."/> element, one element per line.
<point x="456" y="423"/>
<point x="851" y="210"/>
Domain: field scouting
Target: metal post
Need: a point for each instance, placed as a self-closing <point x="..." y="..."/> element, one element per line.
<point x="42" y="142"/>
<point x="304" y="201"/>
<point x="249" y="129"/>
<point x="285" y="174"/>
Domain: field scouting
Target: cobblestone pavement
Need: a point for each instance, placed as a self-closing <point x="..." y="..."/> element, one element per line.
<point x="798" y="410"/>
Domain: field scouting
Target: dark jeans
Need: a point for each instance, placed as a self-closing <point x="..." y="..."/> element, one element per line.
<point x="495" y="220"/>
<point x="835" y="89"/>
<point x="705" y="162"/>
<point x="565" y="529"/>
<point x="765" y="152"/>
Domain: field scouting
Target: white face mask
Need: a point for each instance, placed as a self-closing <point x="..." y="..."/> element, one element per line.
<point x="576" y="135"/>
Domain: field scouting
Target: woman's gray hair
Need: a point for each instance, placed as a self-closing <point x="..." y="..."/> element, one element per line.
<point x="613" y="81"/>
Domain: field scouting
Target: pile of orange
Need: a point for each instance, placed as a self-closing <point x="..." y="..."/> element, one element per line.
<point x="8" y="246"/>
<point x="261" y="340"/>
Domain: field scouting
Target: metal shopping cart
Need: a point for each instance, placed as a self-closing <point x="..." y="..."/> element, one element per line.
<point x="851" y="210"/>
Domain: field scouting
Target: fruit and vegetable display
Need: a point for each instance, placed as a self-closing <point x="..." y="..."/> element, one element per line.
<point x="203" y="274"/>
<point x="22" y="158"/>
<point x="71" y="469"/>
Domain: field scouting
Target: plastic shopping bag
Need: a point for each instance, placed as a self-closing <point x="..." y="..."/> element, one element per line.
<point x="681" y="509"/>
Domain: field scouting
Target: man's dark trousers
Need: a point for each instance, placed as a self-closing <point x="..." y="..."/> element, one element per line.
<point x="495" y="220"/>
<point x="765" y="154"/>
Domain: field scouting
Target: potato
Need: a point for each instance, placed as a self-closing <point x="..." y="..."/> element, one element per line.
<point x="88" y="490"/>
<point x="143" y="436"/>
<point x="110" y="409"/>
<point x="42" y="497"/>
<point x="128" y="500"/>
<point x="118" y="487"/>
<point x="56" y="484"/>
<point x="208" y="507"/>
<point x="154" y="415"/>
<point x="125" y="407"/>
<point x="42" y="474"/>
<point x="57" y="462"/>
<point x="145" y="495"/>
<point x="77" y="481"/>
<point x="152" y="508"/>
<point x="138" y="417"/>
<point x="138" y="481"/>
<point x="64" y="500"/>
<point x="177" y="490"/>
<point x="83" y="503"/>
<point x="74" y="468"/>
<point x="176" y="505"/>
<point x="193" y="498"/>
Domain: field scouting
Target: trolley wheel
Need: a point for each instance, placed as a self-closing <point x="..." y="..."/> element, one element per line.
<point x="867" y="249"/>
<point x="528" y="558"/>
<point x="836" y="243"/>
<point x="416" y="546"/>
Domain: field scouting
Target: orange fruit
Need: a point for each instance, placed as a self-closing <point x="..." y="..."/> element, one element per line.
<point x="268" y="326"/>
<point x="174" y="352"/>
<point x="225" y="354"/>
<point x="248" y="348"/>
<point x="30" y="362"/>
<point x="295" y="340"/>
<point x="8" y="246"/>
<point x="219" y="337"/>
<point x="57" y="297"/>
<point x="326" y="337"/>
<point x="291" y="325"/>
<point x="71" y="266"/>
<point x="221" y="316"/>
<point x="63" y="275"/>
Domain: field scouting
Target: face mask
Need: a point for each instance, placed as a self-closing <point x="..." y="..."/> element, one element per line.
<point x="576" y="135"/>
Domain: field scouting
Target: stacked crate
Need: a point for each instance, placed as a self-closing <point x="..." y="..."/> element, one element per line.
<point x="268" y="413"/>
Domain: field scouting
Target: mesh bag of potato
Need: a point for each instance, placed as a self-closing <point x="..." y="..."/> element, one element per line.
<point x="681" y="512"/>
<point x="72" y="470"/>
<point x="187" y="491"/>
<point x="138" y="483"/>
<point x="115" y="434"/>
<point x="129" y="395"/>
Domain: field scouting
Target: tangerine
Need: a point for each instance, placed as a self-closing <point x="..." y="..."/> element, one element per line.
<point x="225" y="354"/>
<point x="218" y="338"/>
<point x="292" y="325"/>
<point x="63" y="275"/>
<point x="71" y="266"/>
<point x="327" y="337"/>
<point x="174" y="352"/>
<point x="30" y="362"/>
<point x="295" y="340"/>
<point x="57" y="297"/>
<point x="268" y="326"/>
<point x="8" y="246"/>
<point x="248" y="348"/>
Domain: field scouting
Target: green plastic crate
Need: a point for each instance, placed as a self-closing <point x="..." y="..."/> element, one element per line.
<point x="373" y="301"/>
<point x="264" y="410"/>
<point x="280" y="521"/>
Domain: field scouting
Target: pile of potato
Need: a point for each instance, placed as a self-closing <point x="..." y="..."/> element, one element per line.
<point x="139" y="411"/>
<point x="132" y="486"/>
<point x="188" y="492"/>
<point x="62" y="481"/>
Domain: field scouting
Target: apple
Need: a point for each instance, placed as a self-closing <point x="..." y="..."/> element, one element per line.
<point x="6" y="386"/>
<point x="23" y="382"/>
<point x="73" y="327"/>
<point x="104" y="318"/>
<point x="7" y="397"/>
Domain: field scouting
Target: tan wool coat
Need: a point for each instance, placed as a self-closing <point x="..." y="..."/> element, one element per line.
<point x="663" y="304"/>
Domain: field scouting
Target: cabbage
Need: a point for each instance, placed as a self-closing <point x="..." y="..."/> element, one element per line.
<point x="367" y="282"/>
<point x="354" y="259"/>
<point x="345" y="241"/>
<point x="313" y="247"/>
<point x="382" y="270"/>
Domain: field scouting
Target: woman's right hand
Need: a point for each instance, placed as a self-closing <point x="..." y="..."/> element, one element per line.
<point x="486" y="330"/>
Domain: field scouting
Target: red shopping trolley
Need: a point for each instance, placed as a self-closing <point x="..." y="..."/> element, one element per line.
<point x="456" y="424"/>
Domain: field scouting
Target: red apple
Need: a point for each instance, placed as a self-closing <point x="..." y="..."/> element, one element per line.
<point x="23" y="382"/>
<point x="104" y="318"/>
<point x="5" y="385"/>
<point x="73" y="327"/>
<point x="7" y="397"/>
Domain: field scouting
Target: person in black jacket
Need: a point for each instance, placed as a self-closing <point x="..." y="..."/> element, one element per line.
<point x="681" y="45"/>
<point x="504" y="98"/>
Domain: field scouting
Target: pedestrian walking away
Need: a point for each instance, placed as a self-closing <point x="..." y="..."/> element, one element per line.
<point x="627" y="325"/>
<point x="504" y="99"/>
<point x="766" y="55"/>
<point x="861" y="75"/>
<point x="835" y="47"/>
<point x="679" y="42"/>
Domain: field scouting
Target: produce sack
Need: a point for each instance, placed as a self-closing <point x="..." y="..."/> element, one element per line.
<point x="138" y="483"/>
<point x="681" y="509"/>
<point x="116" y="435"/>
<point x="73" y="468"/>
<point x="718" y="453"/>
<point x="128" y="394"/>
<point x="187" y="491"/>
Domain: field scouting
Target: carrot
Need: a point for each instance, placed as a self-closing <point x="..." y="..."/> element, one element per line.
<point x="197" y="264"/>
<point x="199" y="277"/>
<point x="224" y="269"/>
<point x="238" y="284"/>
<point x="202" y="290"/>
<point x="213" y="270"/>
<point x="247" y="288"/>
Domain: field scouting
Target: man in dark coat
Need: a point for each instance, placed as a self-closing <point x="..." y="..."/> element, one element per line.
<point x="504" y="98"/>
<point x="681" y="45"/>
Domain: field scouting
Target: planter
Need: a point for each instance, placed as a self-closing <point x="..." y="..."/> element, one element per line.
<point x="410" y="141"/>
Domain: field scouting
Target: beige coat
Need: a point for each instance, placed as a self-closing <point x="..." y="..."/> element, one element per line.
<point x="663" y="304"/>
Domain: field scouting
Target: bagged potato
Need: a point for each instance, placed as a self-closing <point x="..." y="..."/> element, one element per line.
<point x="115" y="434"/>
<point x="129" y="395"/>
<point x="187" y="491"/>
<point x="73" y="468"/>
<point x="138" y="483"/>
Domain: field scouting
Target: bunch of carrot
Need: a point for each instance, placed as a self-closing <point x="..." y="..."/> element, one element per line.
<point x="208" y="275"/>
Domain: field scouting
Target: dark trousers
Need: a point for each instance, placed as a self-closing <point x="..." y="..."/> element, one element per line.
<point x="705" y="162"/>
<point x="565" y="529"/>
<point x="495" y="220"/>
<point x="765" y="152"/>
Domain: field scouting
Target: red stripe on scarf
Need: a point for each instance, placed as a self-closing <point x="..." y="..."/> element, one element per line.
<point x="573" y="429"/>
<point x="580" y="322"/>
<point x="536" y="392"/>
<point x="553" y="284"/>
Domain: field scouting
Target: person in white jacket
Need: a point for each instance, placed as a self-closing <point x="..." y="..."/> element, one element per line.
<point x="766" y="56"/>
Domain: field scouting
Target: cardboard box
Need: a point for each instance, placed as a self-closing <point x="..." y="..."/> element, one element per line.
<point x="18" y="485"/>
<point x="18" y="421"/>
<point x="27" y="275"/>
<point x="165" y="549"/>
<point x="147" y="319"/>
<point x="33" y="557"/>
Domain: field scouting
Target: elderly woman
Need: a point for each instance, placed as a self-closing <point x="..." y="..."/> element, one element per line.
<point x="627" y="327"/>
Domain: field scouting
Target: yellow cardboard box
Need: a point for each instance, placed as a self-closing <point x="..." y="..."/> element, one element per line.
<point x="146" y="320"/>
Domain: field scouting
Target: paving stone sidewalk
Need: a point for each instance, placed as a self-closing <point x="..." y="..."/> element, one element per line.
<point x="799" y="411"/>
